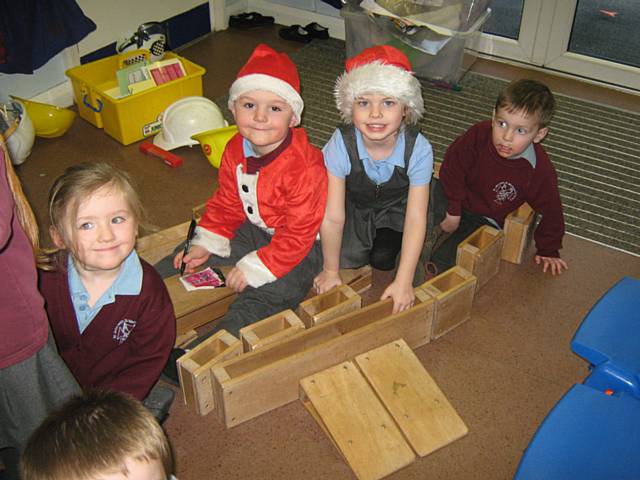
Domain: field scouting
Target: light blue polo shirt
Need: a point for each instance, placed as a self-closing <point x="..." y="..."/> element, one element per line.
<point x="128" y="282"/>
<point x="419" y="170"/>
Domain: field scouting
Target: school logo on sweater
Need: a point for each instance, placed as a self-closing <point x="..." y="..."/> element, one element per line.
<point x="505" y="192"/>
<point x="123" y="330"/>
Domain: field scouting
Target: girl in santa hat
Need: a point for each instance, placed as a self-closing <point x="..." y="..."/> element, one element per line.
<point x="379" y="167"/>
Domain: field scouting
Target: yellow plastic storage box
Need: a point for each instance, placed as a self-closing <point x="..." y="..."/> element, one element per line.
<point x="134" y="117"/>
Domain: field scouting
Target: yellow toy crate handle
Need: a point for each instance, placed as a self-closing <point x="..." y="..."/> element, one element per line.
<point x="131" y="58"/>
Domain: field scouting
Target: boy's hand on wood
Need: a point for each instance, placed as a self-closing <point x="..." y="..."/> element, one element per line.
<point x="450" y="223"/>
<point x="553" y="264"/>
<point x="403" y="296"/>
<point x="196" y="256"/>
<point x="326" y="280"/>
<point x="236" y="280"/>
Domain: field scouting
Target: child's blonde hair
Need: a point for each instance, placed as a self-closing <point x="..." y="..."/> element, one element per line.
<point x="93" y="434"/>
<point x="76" y="185"/>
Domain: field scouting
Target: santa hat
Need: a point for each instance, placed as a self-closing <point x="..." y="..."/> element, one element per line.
<point x="381" y="69"/>
<point x="270" y="71"/>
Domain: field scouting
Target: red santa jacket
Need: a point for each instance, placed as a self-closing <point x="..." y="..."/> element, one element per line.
<point x="286" y="198"/>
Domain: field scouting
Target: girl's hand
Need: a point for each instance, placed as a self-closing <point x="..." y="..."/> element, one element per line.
<point x="555" y="264"/>
<point x="236" y="280"/>
<point x="326" y="280"/>
<point x="196" y="256"/>
<point x="402" y="295"/>
<point x="450" y="223"/>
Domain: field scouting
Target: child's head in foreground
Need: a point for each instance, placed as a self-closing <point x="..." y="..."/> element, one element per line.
<point x="521" y="116"/>
<point x="94" y="213"/>
<point x="265" y="99"/>
<point x="378" y="92"/>
<point x="100" y="435"/>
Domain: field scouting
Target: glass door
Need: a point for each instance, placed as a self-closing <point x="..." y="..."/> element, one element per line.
<point x="594" y="39"/>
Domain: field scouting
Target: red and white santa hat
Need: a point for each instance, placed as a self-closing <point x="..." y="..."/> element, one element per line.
<point x="269" y="71"/>
<point x="381" y="69"/>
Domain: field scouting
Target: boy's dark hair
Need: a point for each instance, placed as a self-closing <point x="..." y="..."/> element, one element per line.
<point x="93" y="434"/>
<point x="530" y="97"/>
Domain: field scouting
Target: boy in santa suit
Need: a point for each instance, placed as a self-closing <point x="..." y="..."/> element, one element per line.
<point x="265" y="216"/>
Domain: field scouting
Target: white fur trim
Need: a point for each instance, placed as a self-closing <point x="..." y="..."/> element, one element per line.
<point x="256" y="273"/>
<point x="216" y="244"/>
<point x="378" y="77"/>
<point x="259" y="81"/>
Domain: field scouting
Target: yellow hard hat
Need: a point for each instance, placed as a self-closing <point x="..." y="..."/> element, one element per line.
<point x="50" y="121"/>
<point x="213" y="142"/>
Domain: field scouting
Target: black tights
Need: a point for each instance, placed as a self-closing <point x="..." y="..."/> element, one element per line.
<point x="386" y="247"/>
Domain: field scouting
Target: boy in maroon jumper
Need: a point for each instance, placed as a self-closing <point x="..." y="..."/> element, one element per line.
<point x="495" y="167"/>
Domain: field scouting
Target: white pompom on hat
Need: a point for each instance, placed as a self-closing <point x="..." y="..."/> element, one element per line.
<point x="381" y="69"/>
<point x="269" y="71"/>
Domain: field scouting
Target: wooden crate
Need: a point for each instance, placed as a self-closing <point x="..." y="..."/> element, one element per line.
<point x="480" y="254"/>
<point x="361" y="281"/>
<point x="257" y="382"/>
<point x="453" y="291"/>
<point x="322" y="308"/>
<point x="194" y="369"/>
<point x="269" y="330"/>
<point x="352" y="416"/>
<point x="518" y="231"/>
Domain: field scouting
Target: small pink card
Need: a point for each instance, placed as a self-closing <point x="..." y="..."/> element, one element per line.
<point x="204" y="279"/>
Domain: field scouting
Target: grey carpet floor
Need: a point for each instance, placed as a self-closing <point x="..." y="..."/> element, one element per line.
<point x="595" y="149"/>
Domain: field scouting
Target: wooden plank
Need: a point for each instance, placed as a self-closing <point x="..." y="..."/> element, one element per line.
<point x="334" y="303"/>
<point x="194" y="369"/>
<point x="453" y="291"/>
<point x="362" y="282"/>
<point x="186" y="338"/>
<point x="156" y="246"/>
<point x="267" y="378"/>
<point x="480" y="254"/>
<point x="356" y="421"/>
<point x="518" y="231"/>
<point x="412" y="397"/>
<point x="270" y="330"/>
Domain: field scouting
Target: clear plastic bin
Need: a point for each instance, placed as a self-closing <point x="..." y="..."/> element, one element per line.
<point x="441" y="51"/>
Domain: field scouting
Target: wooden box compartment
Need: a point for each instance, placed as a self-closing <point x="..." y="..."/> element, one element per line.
<point x="269" y="330"/>
<point x="453" y="291"/>
<point x="480" y="253"/>
<point x="194" y="369"/>
<point x="322" y="308"/>
<point x="267" y="378"/>
<point x="518" y="231"/>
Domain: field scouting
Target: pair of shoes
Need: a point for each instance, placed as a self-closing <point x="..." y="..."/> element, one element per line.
<point x="298" y="33"/>
<point x="159" y="401"/>
<point x="170" y="372"/>
<point x="250" y="20"/>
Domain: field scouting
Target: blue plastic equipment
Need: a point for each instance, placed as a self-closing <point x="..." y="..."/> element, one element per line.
<point x="609" y="339"/>
<point x="588" y="435"/>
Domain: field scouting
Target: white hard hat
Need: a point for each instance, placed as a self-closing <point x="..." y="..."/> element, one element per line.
<point x="186" y="117"/>
<point x="21" y="134"/>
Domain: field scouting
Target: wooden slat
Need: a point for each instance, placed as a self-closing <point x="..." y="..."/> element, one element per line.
<point x="412" y="397"/>
<point x="156" y="246"/>
<point x="356" y="421"/>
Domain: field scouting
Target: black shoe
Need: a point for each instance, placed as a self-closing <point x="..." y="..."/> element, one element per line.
<point x="159" y="401"/>
<point x="250" y="20"/>
<point x="170" y="372"/>
<point x="296" y="33"/>
<point x="317" y="31"/>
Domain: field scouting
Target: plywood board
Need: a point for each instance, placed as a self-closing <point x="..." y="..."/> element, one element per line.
<point x="480" y="253"/>
<point x="270" y="330"/>
<point x="356" y="421"/>
<point x="267" y="378"/>
<point x="412" y="397"/>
